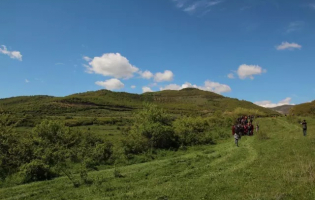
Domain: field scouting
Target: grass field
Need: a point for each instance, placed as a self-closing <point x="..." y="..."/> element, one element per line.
<point x="281" y="167"/>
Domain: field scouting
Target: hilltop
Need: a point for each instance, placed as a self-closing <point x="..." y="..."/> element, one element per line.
<point x="108" y="103"/>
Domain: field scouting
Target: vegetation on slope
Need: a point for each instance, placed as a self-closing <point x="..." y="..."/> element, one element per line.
<point x="280" y="167"/>
<point x="51" y="149"/>
<point x="305" y="109"/>
<point x="104" y="103"/>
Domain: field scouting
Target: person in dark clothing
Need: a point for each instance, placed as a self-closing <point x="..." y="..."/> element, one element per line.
<point x="304" y="126"/>
<point x="250" y="129"/>
<point x="237" y="134"/>
<point x="245" y="129"/>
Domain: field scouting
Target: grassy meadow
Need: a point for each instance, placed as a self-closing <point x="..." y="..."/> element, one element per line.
<point x="276" y="163"/>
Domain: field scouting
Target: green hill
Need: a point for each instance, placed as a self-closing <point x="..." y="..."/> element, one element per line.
<point x="107" y="103"/>
<point x="304" y="109"/>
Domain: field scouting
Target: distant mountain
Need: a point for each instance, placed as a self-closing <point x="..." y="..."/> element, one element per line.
<point x="304" y="109"/>
<point x="108" y="103"/>
<point x="285" y="109"/>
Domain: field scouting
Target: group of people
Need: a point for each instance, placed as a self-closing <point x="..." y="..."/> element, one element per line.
<point x="243" y="126"/>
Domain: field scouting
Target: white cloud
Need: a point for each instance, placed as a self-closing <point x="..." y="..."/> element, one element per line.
<point x="216" y="87"/>
<point x="146" y="89"/>
<point x="269" y="104"/>
<point x="111" y="84"/>
<point x="27" y="81"/>
<point x="180" y="3"/>
<point x="111" y="64"/>
<point x="287" y="45"/>
<point x="248" y="71"/>
<point x="196" y="5"/>
<point x="230" y="75"/>
<point x="171" y="87"/>
<point x="208" y="86"/>
<point x="87" y="59"/>
<point x="12" y="54"/>
<point x="133" y="87"/>
<point x="295" y="26"/>
<point x="191" y="8"/>
<point x="167" y="75"/>
<point x="146" y="74"/>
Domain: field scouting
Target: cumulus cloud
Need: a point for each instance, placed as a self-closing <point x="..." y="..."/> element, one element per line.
<point x="216" y="87"/>
<point x="248" y="71"/>
<point x="86" y="58"/>
<point x="208" y="86"/>
<point x="12" y="54"/>
<point x="111" y="84"/>
<point x="133" y="87"/>
<point x="289" y="46"/>
<point x="111" y="64"/>
<point x="167" y="75"/>
<point x="172" y="87"/>
<point x="146" y="74"/>
<point x="146" y="89"/>
<point x="230" y="75"/>
<point x="269" y="104"/>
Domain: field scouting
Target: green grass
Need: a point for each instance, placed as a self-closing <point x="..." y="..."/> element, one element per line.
<point x="281" y="167"/>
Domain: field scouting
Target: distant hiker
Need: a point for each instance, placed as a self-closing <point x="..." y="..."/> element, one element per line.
<point x="237" y="134"/>
<point x="250" y="129"/>
<point x="257" y="128"/>
<point x="245" y="129"/>
<point x="304" y="125"/>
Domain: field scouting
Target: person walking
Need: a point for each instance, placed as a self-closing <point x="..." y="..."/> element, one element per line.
<point x="250" y="129"/>
<point x="257" y="128"/>
<point x="304" y="126"/>
<point x="237" y="134"/>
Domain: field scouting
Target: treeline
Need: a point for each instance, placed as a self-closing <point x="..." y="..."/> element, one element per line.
<point x="53" y="149"/>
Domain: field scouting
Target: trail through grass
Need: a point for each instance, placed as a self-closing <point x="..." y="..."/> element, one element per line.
<point x="282" y="167"/>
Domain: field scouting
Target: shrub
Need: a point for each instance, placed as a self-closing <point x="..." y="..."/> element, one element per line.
<point x="192" y="131"/>
<point x="36" y="170"/>
<point x="152" y="128"/>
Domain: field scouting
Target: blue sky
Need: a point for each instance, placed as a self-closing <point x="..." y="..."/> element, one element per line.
<point x="257" y="50"/>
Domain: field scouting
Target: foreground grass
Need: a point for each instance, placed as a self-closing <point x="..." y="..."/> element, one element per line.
<point x="281" y="167"/>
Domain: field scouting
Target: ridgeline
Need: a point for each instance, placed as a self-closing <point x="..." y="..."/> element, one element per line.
<point x="105" y="103"/>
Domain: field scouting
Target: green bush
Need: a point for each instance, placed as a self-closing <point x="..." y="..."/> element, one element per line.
<point x="152" y="128"/>
<point x="48" y="151"/>
<point x="36" y="170"/>
<point x="192" y="131"/>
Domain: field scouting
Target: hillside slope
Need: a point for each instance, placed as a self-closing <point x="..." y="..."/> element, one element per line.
<point x="285" y="109"/>
<point x="304" y="109"/>
<point x="107" y="103"/>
